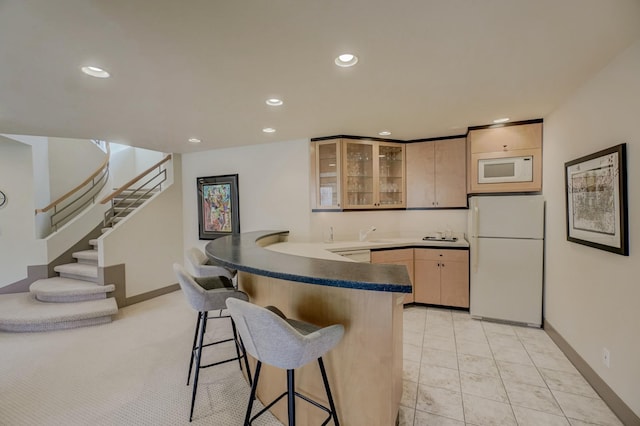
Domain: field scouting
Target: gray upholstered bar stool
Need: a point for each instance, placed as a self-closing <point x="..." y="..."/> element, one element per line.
<point x="203" y="267"/>
<point x="207" y="274"/>
<point x="285" y="343"/>
<point x="204" y="300"/>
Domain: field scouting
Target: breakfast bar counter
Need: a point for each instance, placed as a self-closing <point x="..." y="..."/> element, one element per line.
<point x="365" y="368"/>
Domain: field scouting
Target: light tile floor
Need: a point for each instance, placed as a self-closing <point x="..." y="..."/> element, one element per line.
<point x="461" y="371"/>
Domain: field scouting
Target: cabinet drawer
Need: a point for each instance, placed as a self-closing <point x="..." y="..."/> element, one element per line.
<point x="385" y="256"/>
<point x="508" y="138"/>
<point x="441" y="254"/>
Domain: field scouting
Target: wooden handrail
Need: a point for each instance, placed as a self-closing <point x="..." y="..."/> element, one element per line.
<point x="134" y="180"/>
<point x="99" y="170"/>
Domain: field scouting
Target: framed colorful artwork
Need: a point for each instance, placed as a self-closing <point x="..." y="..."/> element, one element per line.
<point x="218" y="206"/>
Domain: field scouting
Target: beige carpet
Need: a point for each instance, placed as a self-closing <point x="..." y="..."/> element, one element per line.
<point x="129" y="372"/>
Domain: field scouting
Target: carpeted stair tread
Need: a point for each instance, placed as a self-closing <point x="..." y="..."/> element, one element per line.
<point x="22" y="312"/>
<point x="90" y="255"/>
<point x="81" y="270"/>
<point x="58" y="287"/>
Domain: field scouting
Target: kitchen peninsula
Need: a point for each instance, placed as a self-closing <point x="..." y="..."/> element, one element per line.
<point x="365" y="368"/>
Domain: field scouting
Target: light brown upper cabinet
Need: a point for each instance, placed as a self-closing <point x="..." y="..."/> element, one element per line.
<point x="326" y="169"/>
<point x="503" y="150"/>
<point x="352" y="174"/>
<point x="373" y="174"/>
<point x="436" y="174"/>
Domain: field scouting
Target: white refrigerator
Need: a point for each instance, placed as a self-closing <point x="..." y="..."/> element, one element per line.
<point x="506" y="238"/>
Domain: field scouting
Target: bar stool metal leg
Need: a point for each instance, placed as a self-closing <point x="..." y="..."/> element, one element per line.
<point x="203" y="329"/>
<point x="252" y="397"/>
<point x="193" y="348"/>
<point x="328" y="389"/>
<point x="291" y="397"/>
<point x="240" y="351"/>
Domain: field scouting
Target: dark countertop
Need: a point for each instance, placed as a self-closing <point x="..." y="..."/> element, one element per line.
<point x="244" y="252"/>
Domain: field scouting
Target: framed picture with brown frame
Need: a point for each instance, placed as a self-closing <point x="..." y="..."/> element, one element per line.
<point x="218" y="206"/>
<point x="596" y="196"/>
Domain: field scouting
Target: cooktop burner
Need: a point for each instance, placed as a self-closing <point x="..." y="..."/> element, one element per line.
<point x="452" y="239"/>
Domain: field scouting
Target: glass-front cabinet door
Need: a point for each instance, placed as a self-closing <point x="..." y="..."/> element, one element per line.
<point x="327" y="167"/>
<point x="359" y="174"/>
<point x="391" y="175"/>
<point x="373" y="175"/>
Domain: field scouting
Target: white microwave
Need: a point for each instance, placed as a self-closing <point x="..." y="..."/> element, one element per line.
<point x="510" y="169"/>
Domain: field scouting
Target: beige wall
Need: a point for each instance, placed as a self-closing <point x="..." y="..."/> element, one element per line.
<point x="149" y="240"/>
<point x="591" y="296"/>
<point x="17" y="219"/>
<point x="65" y="171"/>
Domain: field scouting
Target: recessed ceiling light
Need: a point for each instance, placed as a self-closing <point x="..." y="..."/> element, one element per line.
<point x="346" y="60"/>
<point x="95" y="72"/>
<point x="194" y="140"/>
<point x="269" y="130"/>
<point x="384" y="133"/>
<point x="501" y="120"/>
<point x="274" y="102"/>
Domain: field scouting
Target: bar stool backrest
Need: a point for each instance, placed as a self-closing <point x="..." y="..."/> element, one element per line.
<point x="203" y="268"/>
<point x="203" y="300"/>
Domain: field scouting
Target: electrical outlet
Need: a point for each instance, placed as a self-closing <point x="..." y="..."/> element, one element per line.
<point x="606" y="357"/>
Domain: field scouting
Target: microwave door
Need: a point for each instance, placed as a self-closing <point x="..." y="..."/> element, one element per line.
<point x="501" y="170"/>
<point x="504" y="169"/>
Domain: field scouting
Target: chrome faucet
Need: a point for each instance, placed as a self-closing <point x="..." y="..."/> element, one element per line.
<point x="364" y="232"/>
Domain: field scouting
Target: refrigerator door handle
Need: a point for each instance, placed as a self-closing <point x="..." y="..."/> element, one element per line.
<point x="474" y="238"/>
<point x="474" y="222"/>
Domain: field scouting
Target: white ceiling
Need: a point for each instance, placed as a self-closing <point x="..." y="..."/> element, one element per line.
<point x="204" y="68"/>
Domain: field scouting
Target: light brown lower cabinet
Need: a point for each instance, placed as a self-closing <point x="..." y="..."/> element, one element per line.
<point x="397" y="257"/>
<point x="441" y="277"/>
<point x="438" y="276"/>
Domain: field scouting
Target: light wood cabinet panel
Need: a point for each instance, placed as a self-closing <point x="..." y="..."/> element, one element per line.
<point x="421" y="174"/>
<point x="436" y="174"/>
<point x="427" y="281"/>
<point x="442" y="277"/>
<point x="454" y="284"/>
<point x="397" y="257"/>
<point x="449" y="255"/>
<point x="507" y="138"/>
<point x="451" y="173"/>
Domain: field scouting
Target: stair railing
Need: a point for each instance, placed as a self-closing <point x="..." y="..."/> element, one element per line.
<point x="126" y="203"/>
<point x="73" y="202"/>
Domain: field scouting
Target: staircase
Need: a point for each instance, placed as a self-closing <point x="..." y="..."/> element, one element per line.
<point x="72" y="299"/>
<point x="76" y="298"/>
<point x="126" y="202"/>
